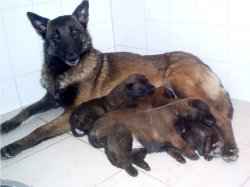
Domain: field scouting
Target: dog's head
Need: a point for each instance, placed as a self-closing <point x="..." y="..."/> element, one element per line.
<point x="66" y="37"/>
<point x="137" y="85"/>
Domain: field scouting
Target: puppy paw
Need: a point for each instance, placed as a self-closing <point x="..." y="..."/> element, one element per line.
<point x="131" y="171"/>
<point x="10" y="151"/>
<point x="208" y="157"/>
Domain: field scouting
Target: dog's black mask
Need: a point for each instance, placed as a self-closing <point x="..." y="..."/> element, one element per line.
<point x="66" y="37"/>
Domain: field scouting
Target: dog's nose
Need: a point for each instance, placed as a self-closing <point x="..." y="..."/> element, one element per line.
<point x="72" y="57"/>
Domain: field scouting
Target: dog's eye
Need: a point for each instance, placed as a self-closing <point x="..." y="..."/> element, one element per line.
<point x="75" y="33"/>
<point x="129" y="86"/>
<point x="56" y="38"/>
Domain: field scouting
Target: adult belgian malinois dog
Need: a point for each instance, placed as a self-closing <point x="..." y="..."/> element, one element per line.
<point x="74" y="72"/>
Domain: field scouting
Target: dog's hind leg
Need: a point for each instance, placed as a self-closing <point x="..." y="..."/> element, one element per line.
<point x="119" y="145"/>
<point x="46" y="103"/>
<point x="54" y="128"/>
<point x="137" y="156"/>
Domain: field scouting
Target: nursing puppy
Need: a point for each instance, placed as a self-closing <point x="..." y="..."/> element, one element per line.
<point x="207" y="141"/>
<point x="123" y="95"/>
<point x="98" y="135"/>
<point x="155" y="130"/>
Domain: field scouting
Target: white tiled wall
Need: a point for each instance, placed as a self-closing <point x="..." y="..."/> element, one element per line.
<point x="216" y="31"/>
<point x="21" y="47"/>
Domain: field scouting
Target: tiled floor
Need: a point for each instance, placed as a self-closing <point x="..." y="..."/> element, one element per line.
<point x="67" y="161"/>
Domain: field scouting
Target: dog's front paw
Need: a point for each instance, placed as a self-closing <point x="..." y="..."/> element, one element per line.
<point x="9" y="126"/>
<point x="10" y="151"/>
<point x="230" y="152"/>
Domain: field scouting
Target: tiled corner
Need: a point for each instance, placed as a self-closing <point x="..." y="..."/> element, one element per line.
<point x="29" y="88"/>
<point x="8" y="91"/>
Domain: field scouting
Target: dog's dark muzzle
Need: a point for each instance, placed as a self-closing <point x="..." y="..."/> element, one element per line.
<point x="72" y="59"/>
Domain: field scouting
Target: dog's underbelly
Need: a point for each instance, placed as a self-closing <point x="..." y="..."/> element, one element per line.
<point x="149" y="146"/>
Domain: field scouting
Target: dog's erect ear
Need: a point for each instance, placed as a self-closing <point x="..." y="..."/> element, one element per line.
<point x="82" y="13"/>
<point x="39" y="23"/>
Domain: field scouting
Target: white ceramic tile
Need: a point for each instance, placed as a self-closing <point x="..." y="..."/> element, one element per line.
<point x="6" y="71"/>
<point x="240" y="120"/>
<point x="117" y="9"/>
<point x="119" y="31"/>
<point x="25" y="57"/>
<point x="183" y="37"/>
<point x="131" y="50"/>
<point x="41" y="1"/>
<point x="17" y="25"/>
<point x="49" y="10"/>
<point x="220" y="68"/>
<point x="68" y="7"/>
<point x="201" y="172"/>
<point x="51" y="114"/>
<point x="68" y="163"/>
<point x="152" y="52"/>
<point x="29" y="88"/>
<point x="239" y="13"/>
<point x="239" y="45"/>
<point x="182" y="11"/>
<point x="102" y="35"/>
<point x="134" y="9"/>
<point x="157" y="9"/>
<point x="136" y="33"/>
<point x="4" y="4"/>
<point x="246" y="183"/>
<point x="109" y="50"/>
<point x="9" y="96"/>
<point x="212" y="42"/>
<point x="141" y="180"/>
<point x="158" y="35"/>
<point x="238" y="78"/>
<point x="212" y="12"/>
<point x="99" y="11"/>
<point x="3" y="40"/>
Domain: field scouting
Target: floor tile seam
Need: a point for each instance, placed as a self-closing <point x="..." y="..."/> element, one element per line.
<point x="158" y="179"/>
<point x="35" y="152"/>
<point x="87" y="143"/>
<point x="242" y="143"/>
<point x="110" y="177"/>
<point x="248" y="178"/>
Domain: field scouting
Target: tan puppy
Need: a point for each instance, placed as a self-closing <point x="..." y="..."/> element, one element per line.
<point x="98" y="135"/>
<point x="155" y="130"/>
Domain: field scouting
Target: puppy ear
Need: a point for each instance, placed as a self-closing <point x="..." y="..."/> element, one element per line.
<point x="39" y="23"/>
<point x="82" y="13"/>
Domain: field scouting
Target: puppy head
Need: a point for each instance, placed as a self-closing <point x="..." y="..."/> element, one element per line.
<point x="137" y="85"/>
<point x="203" y="110"/>
<point x="162" y="96"/>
